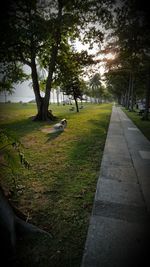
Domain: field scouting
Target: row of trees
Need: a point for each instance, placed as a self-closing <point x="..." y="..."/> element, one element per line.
<point x="41" y="33"/>
<point x="128" y="76"/>
<point x="96" y="90"/>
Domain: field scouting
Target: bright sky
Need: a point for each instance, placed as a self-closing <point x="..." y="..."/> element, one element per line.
<point x="24" y="92"/>
<point x="79" y="46"/>
<point x="100" y="66"/>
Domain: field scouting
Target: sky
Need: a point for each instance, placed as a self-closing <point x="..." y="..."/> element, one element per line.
<point x="24" y="92"/>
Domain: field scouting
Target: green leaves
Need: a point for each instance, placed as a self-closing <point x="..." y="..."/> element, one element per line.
<point x="10" y="73"/>
<point x="12" y="154"/>
<point x="130" y="40"/>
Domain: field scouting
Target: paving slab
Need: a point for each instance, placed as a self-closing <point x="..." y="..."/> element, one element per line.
<point x="119" y="232"/>
<point x="119" y="192"/>
<point x="119" y="173"/>
<point x="115" y="242"/>
<point x="145" y="154"/>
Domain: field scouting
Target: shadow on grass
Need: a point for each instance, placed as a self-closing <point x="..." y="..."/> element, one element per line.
<point x="52" y="136"/>
<point x="23" y="127"/>
<point x="33" y="250"/>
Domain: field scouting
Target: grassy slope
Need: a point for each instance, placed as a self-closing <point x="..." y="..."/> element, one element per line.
<point x="59" y="188"/>
<point x="144" y="126"/>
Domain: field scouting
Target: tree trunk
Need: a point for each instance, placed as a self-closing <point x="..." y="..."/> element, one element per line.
<point x="50" y="98"/>
<point x="63" y="99"/>
<point x="43" y="113"/>
<point x="5" y="93"/>
<point x="119" y="100"/>
<point x="125" y="99"/>
<point x="129" y="92"/>
<point x="53" y="96"/>
<point x="35" y="82"/>
<point x="126" y="103"/>
<point x="132" y="92"/>
<point x="43" y="103"/>
<point x="76" y="103"/>
<point x="52" y="63"/>
<point x="57" y="92"/>
<point x="146" y="113"/>
<point x="11" y="227"/>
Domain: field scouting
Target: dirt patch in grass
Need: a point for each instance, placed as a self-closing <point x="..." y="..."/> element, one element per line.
<point x="48" y="130"/>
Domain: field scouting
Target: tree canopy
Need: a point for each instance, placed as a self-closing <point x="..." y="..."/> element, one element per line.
<point x="38" y="31"/>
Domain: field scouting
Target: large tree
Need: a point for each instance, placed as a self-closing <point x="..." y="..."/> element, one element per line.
<point x="33" y="28"/>
<point x="37" y="30"/>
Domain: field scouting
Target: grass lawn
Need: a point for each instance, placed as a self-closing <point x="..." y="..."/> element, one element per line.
<point x="57" y="192"/>
<point x="144" y="126"/>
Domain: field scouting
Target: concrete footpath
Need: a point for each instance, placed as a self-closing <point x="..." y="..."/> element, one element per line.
<point x="119" y="230"/>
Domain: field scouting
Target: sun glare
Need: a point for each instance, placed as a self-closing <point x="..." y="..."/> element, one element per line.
<point x="79" y="47"/>
<point x="110" y="56"/>
<point x="102" y="58"/>
<point x="101" y="70"/>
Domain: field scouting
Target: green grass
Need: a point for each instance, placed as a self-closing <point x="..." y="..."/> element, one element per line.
<point x="58" y="191"/>
<point x="144" y="126"/>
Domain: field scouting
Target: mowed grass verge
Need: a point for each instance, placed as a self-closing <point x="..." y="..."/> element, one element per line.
<point x="57" y="192"/>
<point x="143" y="125"/>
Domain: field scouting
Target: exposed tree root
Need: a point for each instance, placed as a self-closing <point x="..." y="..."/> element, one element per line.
<point x="12" y="228"/>
<point x="45" y="117"/>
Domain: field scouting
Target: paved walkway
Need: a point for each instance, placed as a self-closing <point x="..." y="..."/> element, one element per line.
<point x="118" y="234"/>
